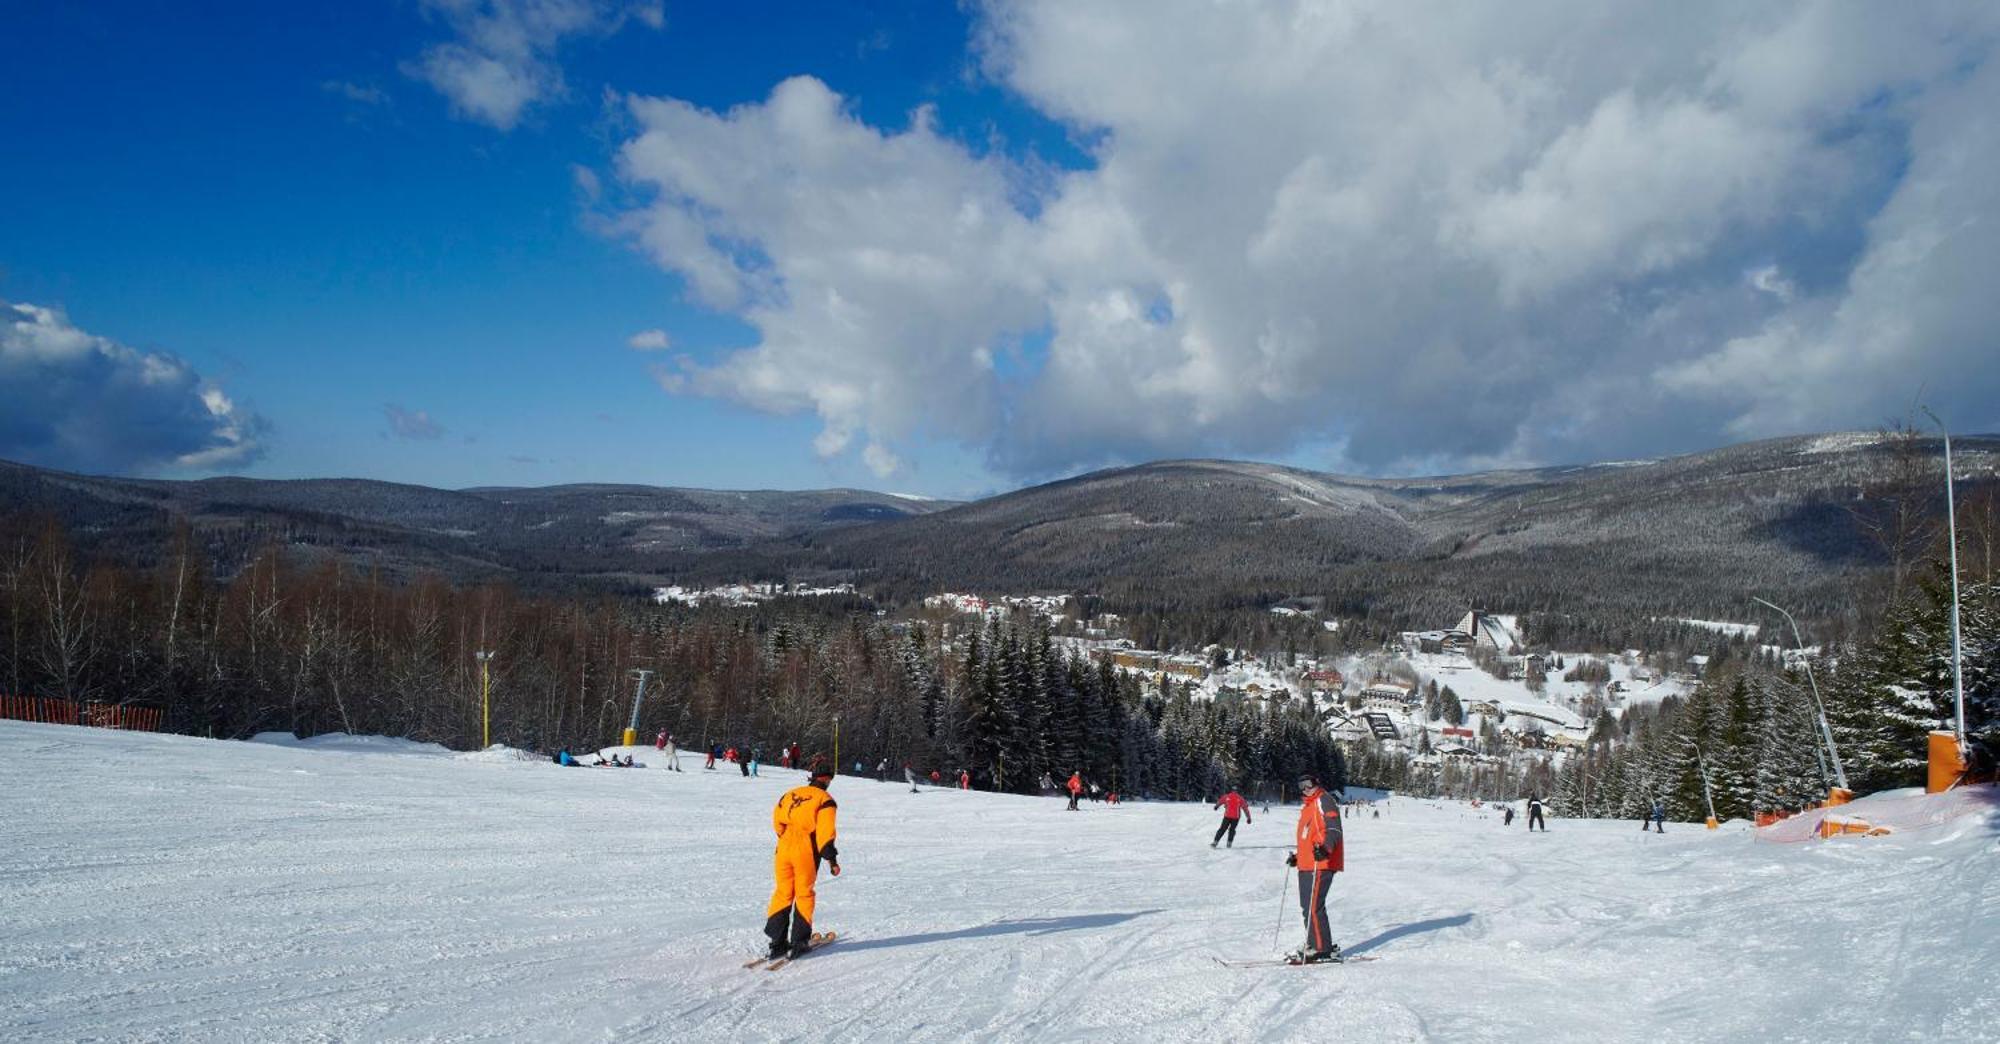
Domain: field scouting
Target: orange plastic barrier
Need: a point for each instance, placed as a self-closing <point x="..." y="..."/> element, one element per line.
<point x="1882" y="813"/>
<point x="1947" y="765"/>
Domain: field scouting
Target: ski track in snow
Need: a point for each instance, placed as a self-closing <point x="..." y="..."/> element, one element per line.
<point x="170" y="888"/>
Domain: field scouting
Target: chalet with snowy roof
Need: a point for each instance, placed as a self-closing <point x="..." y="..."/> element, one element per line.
<point x="1389" y="694"/>
<point x="1542" y="713"/>
<point x="1325" y="678"/>
<point x="1457" y="752"/>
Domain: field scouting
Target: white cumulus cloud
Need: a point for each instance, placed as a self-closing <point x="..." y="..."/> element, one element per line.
<point x="1419" y="233"/>
<point x="649" y="341"/>
<point x="80" y="402"/>
<point x="501" y="59"/>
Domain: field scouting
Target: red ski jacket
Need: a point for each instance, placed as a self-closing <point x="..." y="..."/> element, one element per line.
<point x="1233" y="806"/>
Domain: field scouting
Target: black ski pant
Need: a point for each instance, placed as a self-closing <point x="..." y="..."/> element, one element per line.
<point x="1535" y="819"/>
<point x="1313" y="885"/>
<point x="1228" y="827"/>
<point x="1073" y="795"/>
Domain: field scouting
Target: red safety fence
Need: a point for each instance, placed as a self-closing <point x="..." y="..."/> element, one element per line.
<point x="51" y="711"/>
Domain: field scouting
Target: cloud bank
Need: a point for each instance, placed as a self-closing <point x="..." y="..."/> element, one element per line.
<point x="80" y="402"/>
<point x="501" y="60"/>
<point x="1413" y="236"/>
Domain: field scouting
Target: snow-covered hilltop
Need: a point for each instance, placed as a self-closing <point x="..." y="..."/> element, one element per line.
<point x="164" y="887"/>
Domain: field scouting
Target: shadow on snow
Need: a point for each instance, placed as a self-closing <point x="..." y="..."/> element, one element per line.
<point x="1403" y="930"/>
<point x="1025" y="926"/>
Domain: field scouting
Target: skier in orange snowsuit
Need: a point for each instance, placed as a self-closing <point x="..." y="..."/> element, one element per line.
<point x="803" y="819"/>
<point x="1320" y="855"/>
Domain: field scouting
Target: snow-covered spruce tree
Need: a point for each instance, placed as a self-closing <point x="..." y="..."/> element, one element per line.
<point x="1980" y="625"/>
<point x="1790" y="757"/>
<point x="1898" y="687"/>
<point x="1732" y="764"/>
<point x="1882" y="702"/>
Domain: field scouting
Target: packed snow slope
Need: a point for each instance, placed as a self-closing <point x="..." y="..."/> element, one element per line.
<point x="163" y="887"/>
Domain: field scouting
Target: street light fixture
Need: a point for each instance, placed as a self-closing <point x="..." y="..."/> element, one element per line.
<point x="485" y="658"/>
<point x="1826" y="731"/>
<point x="632" y="729"/>
<point x="1951" y="521"/>
<point x="1707" y="793"/>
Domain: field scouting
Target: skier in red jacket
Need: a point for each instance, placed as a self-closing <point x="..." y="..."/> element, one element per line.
<point x="1318" y="857"/>
<point x="1232" y="806"/>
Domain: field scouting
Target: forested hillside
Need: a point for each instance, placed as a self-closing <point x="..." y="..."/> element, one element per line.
<point x="324" y="648"/>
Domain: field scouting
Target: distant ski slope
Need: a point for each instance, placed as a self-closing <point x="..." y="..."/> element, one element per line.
<point x="161" y="887"/>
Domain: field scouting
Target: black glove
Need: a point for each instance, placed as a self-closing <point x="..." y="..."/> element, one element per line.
<point x="829" y="853"/>
<point x="1291" y="859"/>
<point x="1320" y="853"/>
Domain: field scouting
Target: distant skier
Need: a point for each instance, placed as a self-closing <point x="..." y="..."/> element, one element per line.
<point x="756" y="755"/>
<point x="1320" y="855"/>
<point x="882" y="771"/>
<point x="1075" y="789"/>
<point x="1658" y="818"/>
<point x="965" y="779"/>
<point x="1232" y="805"/>
<point x="910" y="777"/>
<point x="673" y="755"/>
<point x="1535" y="815"/>
<point x="742" y="760"/>
<point x="714" y="752"/>
<point x="794" y="752"/>
<point x="660" y="741"/>
<point x="804" y="821"/>
<point x="1507" y="816"/>
<point x="785" y="755"/>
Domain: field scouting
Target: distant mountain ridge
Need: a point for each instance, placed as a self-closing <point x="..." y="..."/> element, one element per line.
<point x="1684" y="535"/>
<point x="579" y="528"/>
<point x="1693" y="535"/>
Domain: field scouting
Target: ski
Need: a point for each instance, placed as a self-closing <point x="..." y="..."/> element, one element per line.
<point x="818" y="940"/>
<point x="1282" y="962"/>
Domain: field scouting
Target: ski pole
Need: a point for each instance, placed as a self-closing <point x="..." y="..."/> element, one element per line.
<point x="1278" y="928"/>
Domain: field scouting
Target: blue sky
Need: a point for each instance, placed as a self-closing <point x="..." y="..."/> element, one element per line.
<point x="953" y="249"/>
<point x="206" y="186"/>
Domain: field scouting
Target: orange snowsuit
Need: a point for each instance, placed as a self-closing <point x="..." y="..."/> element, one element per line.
<point x="804" y="821"/>
<point x="1319" y="827"/>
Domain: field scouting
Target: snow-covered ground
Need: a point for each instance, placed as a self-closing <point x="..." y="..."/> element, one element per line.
<point x="162" y="887"/>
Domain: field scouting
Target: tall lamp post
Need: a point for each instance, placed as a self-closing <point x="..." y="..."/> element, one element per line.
<point x="1707" y="794"/>
<point x="485" y="658"/>
<point x="1951" y="521"/>
<point x="632" y="728"/>
<point x="1826" y="731"/>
